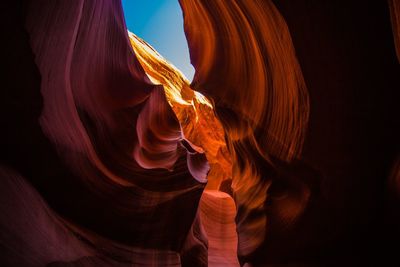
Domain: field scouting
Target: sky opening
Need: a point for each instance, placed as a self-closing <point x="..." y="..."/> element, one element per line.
<point x="160" y="23"/>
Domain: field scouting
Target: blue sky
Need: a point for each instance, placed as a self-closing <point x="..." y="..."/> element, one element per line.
<point x="160" y="23"/>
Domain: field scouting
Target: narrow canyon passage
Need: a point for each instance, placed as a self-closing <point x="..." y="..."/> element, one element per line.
<point x="270" y="138"/>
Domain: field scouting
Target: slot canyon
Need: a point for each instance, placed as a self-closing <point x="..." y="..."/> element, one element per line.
<point x="282" y="150"/>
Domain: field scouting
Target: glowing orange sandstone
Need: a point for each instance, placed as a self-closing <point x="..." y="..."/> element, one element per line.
<point x="193" y="110"/>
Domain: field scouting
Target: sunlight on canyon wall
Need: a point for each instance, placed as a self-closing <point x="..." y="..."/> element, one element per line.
<point x="194" y="111"/>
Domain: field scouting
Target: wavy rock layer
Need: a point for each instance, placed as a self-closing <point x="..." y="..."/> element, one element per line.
<point x="261" y="101"/>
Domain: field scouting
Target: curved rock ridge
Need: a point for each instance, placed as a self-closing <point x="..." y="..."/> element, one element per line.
<point x="135" y="179"/>
<point x="245" y="62"/>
